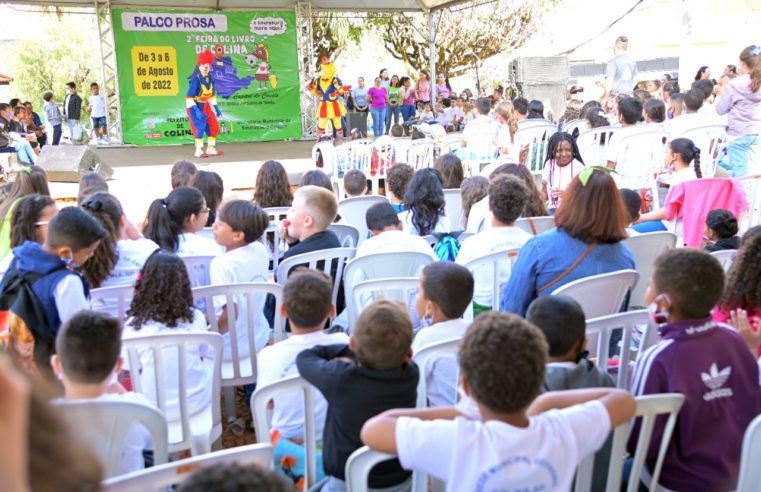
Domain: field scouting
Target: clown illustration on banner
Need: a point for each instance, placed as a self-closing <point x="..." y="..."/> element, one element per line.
<point x="202" y="108"/>
<point x="329" y="89"/>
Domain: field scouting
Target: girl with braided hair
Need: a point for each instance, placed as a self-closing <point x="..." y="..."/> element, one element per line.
<point x="562" y="164"/>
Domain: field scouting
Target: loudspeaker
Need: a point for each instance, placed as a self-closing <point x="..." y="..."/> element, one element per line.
<point x="66" y="163"/>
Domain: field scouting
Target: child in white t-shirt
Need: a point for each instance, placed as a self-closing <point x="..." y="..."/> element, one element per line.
<point x="515" y="440"/>
<point x="563" y="163"/>
<point x="87" y="362"/>
<point x="443" y="294"/>
<point x="238" y="228"/>
<point x="507" y="199"/>
<point x="173" y="222"/>
<point x="163" y="303"/>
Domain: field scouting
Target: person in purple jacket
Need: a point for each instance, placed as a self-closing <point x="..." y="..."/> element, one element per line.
<point x="708" y="363"/>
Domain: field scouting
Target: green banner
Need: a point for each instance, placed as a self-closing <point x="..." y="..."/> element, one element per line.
<point x="255" y="73"/>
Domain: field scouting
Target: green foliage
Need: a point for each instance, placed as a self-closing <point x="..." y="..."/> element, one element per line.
<point x="65" y="50"/>
<point x="332" y="32"/>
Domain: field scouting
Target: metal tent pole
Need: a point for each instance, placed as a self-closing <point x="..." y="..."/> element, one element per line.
<point x="432" y="52"/>
<point x="306" y="69"/>
<point x="109" y="72"/>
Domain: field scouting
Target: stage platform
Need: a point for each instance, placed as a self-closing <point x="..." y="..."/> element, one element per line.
<point x="141" y="174"/>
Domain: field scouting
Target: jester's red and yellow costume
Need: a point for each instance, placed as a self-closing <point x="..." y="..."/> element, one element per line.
<point x="329" y="88"/>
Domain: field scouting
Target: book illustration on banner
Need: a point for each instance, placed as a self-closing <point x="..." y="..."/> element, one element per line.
<point x="225" y="75"/>
<point x="202" y="107"/>
<point x="330" y="91"/>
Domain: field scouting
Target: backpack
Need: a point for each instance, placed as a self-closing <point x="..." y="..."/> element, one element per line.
<point x="447" y="247"/>
<point x="24" y="330"/>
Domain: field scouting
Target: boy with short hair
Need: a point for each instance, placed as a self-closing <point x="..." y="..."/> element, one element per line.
<point x="443" y="294"/>
<point x="371" y="374"/>
<point x="507" y="199"/>
<point x="87" y="363"/>
<point x="692" y="116"/>
<point x="629" y="113"/>
<point x="239" y="226"/>
<point x="355" y="183"/>
<point x="307" y="304"/>
<point x="73" y="235"/>
<point x="709" y="363"/>
<point x="313" y="209"/>
<point x="97" y="107"/>
<point x="388" y="234"/>
<point x="53" y="116"/>
<point x="72" y="110"/>
<point x="633" y="203"/>
<point x="398" y="177"/>
<point x="544" y="438"/>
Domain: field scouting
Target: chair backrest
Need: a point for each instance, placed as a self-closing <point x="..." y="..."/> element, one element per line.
<point x="648" y="408"/>
<point x="600" y="295"/>
<point x="453" y="207"/>
<point x="750" y="472"/>
<point x="104" y="425"/>
<point x="259" y="403"/>
<point x="592" y="144"/>
<point x="646" y="248"/>
<point x="103" y="299"/>
<point x="637" y="329"/>
<point x="276" y="214"/>
<point x="572" y="126"/>
<point x="401" y="289"/>
<point x="427" y="355"/>
<point x="751" y="185"/>
<point x="420" y="154"/>
<point x="324" y="260"/>
<point x="207" y="232"/>
<point x="328" y="152"/>
<point x="496" y="261"/>
<point x="271" y="238"/>
<point x="354" y="211"/>
<point x="379" y="266"/>
<point x="725" y="257"/>
<point x="356" y="154"/>
<point x="348" y="235"/>
<point x="641" y="156"/>
<point x="709" y="139"/>
<point x="176" y="342"/>
<point x="534" y="138"/>
<point x="480" y="145"/>
<point x="243" y="369"/>
<point x="198" y="269"/>
<point x="359" y="465"/>
<point x="536" y="225"/>
<point x="160" y="477"/>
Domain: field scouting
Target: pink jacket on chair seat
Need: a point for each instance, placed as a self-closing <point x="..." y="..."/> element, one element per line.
<point x="692" y="200"/>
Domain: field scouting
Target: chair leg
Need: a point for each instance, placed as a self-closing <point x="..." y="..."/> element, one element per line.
<point x="230" y="403"/>
<point x="200" y="445"/>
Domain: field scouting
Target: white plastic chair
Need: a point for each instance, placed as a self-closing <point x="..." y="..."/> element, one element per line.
<point x="648" y="408"/>
<point x="496" y="261"/>
<point x="237" y="370"/>
<point x="401" y="146"/>
<point x="207" y="232"/>
<point x="481" y="146"/>
<point x="428" y="355"/>
<point x="709" y="139"/>
<point x="725" y="257"/>
<point x="199" y="269"/>
<point x="348" y="235"/>
<point x="354" y="211"/>
<point x="592" y="144"/>
<point x="600" y="330"/>
<point x="328" y="151"/>
<point x="102" y="300"/>
<point x="271" y="237"/>
<point x="359" y="465"/>
<point x="600" y="295"/>
<point x="195" y="432"/>
<point x="380" y="266"/>
<point x="384" y="151"/>
<point x="276" y="214"/>
<point x="536" y="225"/>
<point x="535" y="137"/>
<point x="162" y="476"/>
<point x="401" y="289"/>
<point x="751" y="184"/>
<point x="259" y="402"/>
<point x="104" y="425"/>
<point x="574" y="125"/>
<point x="453" y="207"/>
<point x="420" y="154"/>
<point x="322" y="260"/>
<point x="646" y="248"/>
<point x="750" y="472"/>
<point x="641" y="158"/>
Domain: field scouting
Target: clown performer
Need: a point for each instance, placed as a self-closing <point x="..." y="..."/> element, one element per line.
<point x="330" y="90"/>
<point x="200" y="99"/>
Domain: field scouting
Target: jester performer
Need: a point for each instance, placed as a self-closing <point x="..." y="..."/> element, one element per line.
<point x="200" y="100"/>
<point x="330" y="90"/>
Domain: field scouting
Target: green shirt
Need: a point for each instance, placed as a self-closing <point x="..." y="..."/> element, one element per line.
<point x="393" y="95"/>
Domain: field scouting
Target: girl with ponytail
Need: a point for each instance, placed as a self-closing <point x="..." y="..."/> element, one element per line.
<point x="741" y="102"/>
<point x="683" y="158"/>
<point x="172" y="223"/>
